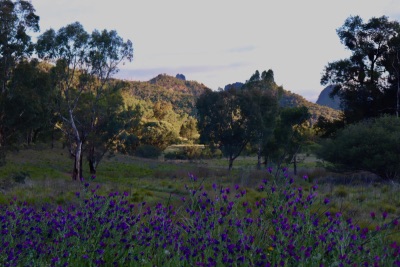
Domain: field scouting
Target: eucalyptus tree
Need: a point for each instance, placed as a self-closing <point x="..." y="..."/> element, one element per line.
<point x="362" y="79"/>
<point x="84" y="64"/>
<point x="392" y="64"/>
<point x="17" y="19"/>
<point x="30" y="109"/>
<point x="221" y="123"/>
<point x="227" y="120"/>
<point x="290" y="133"/>
<point x="260" y="100"/>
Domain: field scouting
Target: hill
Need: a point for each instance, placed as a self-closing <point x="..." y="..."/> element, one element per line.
<point x="325" y="100"/>
<point x="182" y="94"/>
<point x="290" y="99"/>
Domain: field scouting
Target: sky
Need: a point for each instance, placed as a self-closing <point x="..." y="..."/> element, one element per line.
<point x="218" y="42"/>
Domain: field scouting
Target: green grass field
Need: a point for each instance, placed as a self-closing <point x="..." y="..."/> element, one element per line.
<point x="40" y="175"/>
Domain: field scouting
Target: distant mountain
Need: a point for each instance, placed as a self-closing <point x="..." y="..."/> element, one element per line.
<point x="180" y="77"/>
<point x="182" y="94"/>
<point x="236" y="85"/>
<point x="289" y="99"/>
<point x="325" y="100"/>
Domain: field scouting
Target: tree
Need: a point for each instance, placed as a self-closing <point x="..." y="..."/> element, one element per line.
<point x="128" y="139"/>
<point x="84" y="64"/>
<point x="112" y="120"/>
<point x="189" y="129"/>
<point x="159" y="134"/>
<point x="371" y="145"/>
<point x="361" y="80"/>
<point x="289" y="135"/>
<point x="392" y="64"/>
<point x="260" y="100"/>
<point x="30" y="105"/>
<point x="223" y="123"/>
<point x="161" y="109"/>
<point x="255" y="77"/>
<point x="17" y="19"/>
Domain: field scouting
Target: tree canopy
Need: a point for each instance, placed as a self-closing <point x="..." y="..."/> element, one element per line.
<point x="84" y="64"/>
<point x="18" y="18"/>
<point x="361" y="81"/>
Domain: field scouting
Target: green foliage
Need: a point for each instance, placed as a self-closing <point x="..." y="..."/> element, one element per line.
<point x="181" y="94"/>
<point x="161" y="109"/>
<point x="20" y="177"/>
<point x="193" y="152"/>
<point x="366" y="82"/>
<point x="289" y="135"/>
<point x="189" y="129"/>
<point x="84" y="64"/>
<point x="224" y="123"/>
<point x="159" y="134"/>
<point x="148" y="151"/>
<point x="372" y="145"/>
<point x="17" y="18"/>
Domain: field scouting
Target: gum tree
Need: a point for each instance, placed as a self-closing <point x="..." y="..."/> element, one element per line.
<point x="361" y="80"/>
<point x="17" y="19"/>
<point x="83" y="66"/>
<point x="230" y="120"/>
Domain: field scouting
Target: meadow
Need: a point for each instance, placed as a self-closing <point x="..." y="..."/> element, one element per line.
<point x="139" y="212"/>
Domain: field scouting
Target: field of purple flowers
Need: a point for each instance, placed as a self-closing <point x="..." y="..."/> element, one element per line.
<point x="218" y="227"/>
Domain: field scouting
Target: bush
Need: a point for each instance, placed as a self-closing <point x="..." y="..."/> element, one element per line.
<point x="20" y="177"/>
<point x="193" y="153"/>
<point x="372" y="145"/>
<point x="147" y="151"/>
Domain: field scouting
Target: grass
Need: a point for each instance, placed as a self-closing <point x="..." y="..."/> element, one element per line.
<point x="47" y="180"/>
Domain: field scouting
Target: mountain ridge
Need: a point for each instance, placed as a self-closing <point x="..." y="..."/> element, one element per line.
<point x="182" y="94"/>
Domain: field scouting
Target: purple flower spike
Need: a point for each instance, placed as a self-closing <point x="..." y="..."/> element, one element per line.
<point x="326" y="201"/>
<point x="372" y="215"/>
<point x="384" y="214"/>
<point x="305" y="177"/>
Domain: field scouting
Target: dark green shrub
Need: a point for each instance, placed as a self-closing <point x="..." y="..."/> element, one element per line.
<point x="176" y="155"/>
<point x="193" y="153"/>
<point x="20" y="177"/>
<point x="372" y="145"/>
<point x="148" y="151"/>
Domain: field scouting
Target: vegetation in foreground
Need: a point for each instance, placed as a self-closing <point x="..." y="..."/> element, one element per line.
<point x="208" y="228"/>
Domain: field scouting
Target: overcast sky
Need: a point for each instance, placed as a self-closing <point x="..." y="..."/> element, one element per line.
<point x="217" y="42"/>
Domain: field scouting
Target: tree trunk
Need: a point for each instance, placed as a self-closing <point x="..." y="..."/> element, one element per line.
<point x="78" y="150"/>
<point x="231" y="159"/>
<point x="295" y="164"/>
<point x="259" y="157"/>
<point x="398" y="96"/>
<point x="92" y="161"/>
<point x="78" y="160"/>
